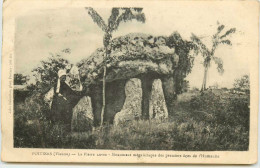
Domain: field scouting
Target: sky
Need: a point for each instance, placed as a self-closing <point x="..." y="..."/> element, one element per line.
<point x="49" y="31"/>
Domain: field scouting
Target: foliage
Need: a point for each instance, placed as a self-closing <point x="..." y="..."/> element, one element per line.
<point x="46" y="73"/>
<point x="187" y="136"/>
<point x="20" y="79"/>
<point x="118" y="15"/>
<point x="242" y="83"/>
<point x="126" y="14"/>
<point x="183" y="49"/>
<point x="97" y="19"/>
<point x="194" y="89"/>
<point x="219" y="108"/>
<point x="209" y="54"/>
<point x="208" y="122"/>
<point x="28" y="117"/>
<point x="32" y="117"/>
<point x="186" y="60"/>
<point x="185" y="86"/>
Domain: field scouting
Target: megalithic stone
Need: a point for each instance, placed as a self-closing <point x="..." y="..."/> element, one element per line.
<point x="82" y="119"/>
<point x="132" y="107"/>
<point x="157" y="104"/>
<point x="48" y="97"/>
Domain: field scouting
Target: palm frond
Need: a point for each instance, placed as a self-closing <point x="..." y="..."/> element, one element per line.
<point x="200" y="46"/>
<point x="230" y="31"/>
<point x="97" y="19"/>
<point x="219" y="63"/>
<point x="127" y="14"/>
<point x="138" y="9"/>
<point x="220" y="28"/>
<point x="113" y="17"/>
<point x="140" y="17"/>
<point x="228" y="42"/>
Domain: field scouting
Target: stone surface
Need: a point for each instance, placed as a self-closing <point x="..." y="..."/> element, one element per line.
<point x="157" y="105"/>
<point x="48" y="97"/>
<point x="130" y="56"/>
<point x="135" y="55"/>
<point x="132" y="107"/>
<point x="83" y="117"/>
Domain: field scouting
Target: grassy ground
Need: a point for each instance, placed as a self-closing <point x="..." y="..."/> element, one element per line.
<point x="213" y="121"/>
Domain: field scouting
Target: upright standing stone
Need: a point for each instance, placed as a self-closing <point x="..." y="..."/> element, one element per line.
<point x="157" y="105"/>
<point x="82" y="119"/>
<point x="132" y="108"/>
<point x="48" y="97"/>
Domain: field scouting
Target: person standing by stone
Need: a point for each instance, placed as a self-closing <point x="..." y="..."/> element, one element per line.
<point x="65" y="98"/>
<point x="73" y="79"/>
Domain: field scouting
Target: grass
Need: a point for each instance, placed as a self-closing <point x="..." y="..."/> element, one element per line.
<point x="209" y="122"/>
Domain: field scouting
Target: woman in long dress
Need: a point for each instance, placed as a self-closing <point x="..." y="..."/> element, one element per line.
<point x="65" y="98"/>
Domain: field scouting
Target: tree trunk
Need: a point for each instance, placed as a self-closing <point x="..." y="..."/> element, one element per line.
<point x="204" y="79"/>
<point x="206" y="74"/>
<point x="104" y="89"/>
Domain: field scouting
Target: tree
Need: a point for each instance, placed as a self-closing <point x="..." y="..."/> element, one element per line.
<point x="185" y="86"/>
<point x="118" y="15"/>
<point x="46" y="73"/>
<point x="20" y="79"/>
<point x="242" y="83"/>
<point x="186" y="50"/>
<point x="209" y="54"/>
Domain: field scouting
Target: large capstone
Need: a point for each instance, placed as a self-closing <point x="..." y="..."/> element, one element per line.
<point x="130" y="56"/>
<point x="82" y="119"/>
<point x="132" y="107"/>
<point x="157" y="105"/>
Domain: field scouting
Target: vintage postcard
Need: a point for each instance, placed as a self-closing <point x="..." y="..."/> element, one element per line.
<point x="130" y="81"/>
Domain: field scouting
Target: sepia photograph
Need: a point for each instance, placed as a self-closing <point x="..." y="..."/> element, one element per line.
<point x="132" y="77"/>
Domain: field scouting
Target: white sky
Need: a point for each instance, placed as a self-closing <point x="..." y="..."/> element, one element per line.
<point x="50" y="31"/>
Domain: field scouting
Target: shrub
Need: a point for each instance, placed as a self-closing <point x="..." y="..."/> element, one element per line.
<point x="30" y="122"/>
<point x="221" y="109"/>
<point x="186" y="136"/>
<point x="206" y="122"/>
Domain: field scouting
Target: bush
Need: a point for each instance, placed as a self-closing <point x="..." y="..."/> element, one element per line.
<point x="206" y="122"/>
<point x="27" y="118"/>
<point x="33" y="128"/>
<point x="221" y="109"/>
<point x="188" y="136"/>
<point x="30" y="122"/>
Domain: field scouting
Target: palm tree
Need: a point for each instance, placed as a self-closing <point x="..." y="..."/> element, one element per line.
<point x="209" y="54"/>
<point x="118" y="15"/>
